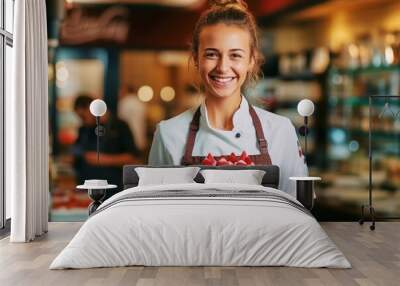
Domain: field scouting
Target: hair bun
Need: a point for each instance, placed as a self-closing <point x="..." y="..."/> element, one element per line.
<point x="240" y="4"/>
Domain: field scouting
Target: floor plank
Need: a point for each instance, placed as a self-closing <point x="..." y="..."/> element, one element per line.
<point x="375" y="257"/>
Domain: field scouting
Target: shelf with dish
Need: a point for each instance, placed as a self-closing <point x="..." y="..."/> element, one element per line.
<point x="352" y="114"/>
<point x="378" y="134"/>
<point x="370" y="69"/>
<point x="303" y="76"/>
<point x="338" y="99"/>
<point x="348" y="103"/>
<point x="343" y="141"/>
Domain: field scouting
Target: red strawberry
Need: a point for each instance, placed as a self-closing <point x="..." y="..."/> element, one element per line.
<point x="210" y="157"/>
<point x="222" y="162"/>
<point x="241" y="163"/>
<point x="207" y="162"/>
<point x="230" y="163"/>
<point x="248" y="160"/>
<point x="232" y="158"/>
<point x="243" y="156"/>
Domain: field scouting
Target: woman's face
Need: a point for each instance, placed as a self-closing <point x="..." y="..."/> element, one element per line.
<point x="223" y="59"/>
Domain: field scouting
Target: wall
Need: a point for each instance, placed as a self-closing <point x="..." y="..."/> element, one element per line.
<point x="158" y="69"/>
<point x="334" y="28"/>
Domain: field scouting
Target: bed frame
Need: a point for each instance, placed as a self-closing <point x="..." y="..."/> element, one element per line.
<point x="270" y="179"/>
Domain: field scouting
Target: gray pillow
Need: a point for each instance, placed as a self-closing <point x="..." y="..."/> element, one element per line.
<point x="166" y="176"/>
<point x="248" y="177"/>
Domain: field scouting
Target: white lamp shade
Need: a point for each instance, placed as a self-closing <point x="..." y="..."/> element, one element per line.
<point x="305" y="107"/>
<point x="98" y="107"/>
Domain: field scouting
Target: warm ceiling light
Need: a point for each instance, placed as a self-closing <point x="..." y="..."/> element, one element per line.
<point x="62" y="73"/>
<point x="173" y="58"/>
<point x="389" y="55"/>
<point x="145" y="93"/>
<point x="167" y="93"/>
<point x="353" y="50"/>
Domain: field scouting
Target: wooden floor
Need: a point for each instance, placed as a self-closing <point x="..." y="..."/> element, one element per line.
<point x="375" y="257"/>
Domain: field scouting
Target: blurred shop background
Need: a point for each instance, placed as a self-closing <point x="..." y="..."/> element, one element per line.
<point x="134" y="55"/>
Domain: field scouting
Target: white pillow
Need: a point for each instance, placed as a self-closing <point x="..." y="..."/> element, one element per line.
<point x="249" y="177"/>
<point x="165" y="176"/>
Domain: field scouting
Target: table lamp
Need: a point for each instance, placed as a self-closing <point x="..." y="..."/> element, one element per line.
<point x="98" y="108"/>
<point x="305" y="108"/>
<point x="305" y="185"/>
<point x="97" y="188"/>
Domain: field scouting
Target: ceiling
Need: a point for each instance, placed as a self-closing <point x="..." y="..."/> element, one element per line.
<point x="169" y="23"/>
<point x="303" y="9"/>
<point x="326" y="8"/>
<point x="257" y="7"/>
<point x="171" y="3"/>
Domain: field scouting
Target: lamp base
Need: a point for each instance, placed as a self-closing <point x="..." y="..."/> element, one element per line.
<point x="100" y="130"/>
<point x="305" y="190"/>
<point x="97" y="195"/>
<point x="305" y="193"/>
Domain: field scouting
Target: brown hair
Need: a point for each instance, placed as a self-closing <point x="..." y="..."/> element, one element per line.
<point x="82" y="101"/>
<point x="231" y="12"/>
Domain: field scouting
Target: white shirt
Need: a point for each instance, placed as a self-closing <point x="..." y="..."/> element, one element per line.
<point x="133" y="112"/>
<point x="170" y="140"/>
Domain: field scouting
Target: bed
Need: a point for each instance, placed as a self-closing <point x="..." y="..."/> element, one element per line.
<point x="201" y="224"/>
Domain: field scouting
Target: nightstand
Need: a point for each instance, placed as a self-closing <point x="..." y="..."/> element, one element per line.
<point x="305" y="190"/>
<point x="96" y="191"/>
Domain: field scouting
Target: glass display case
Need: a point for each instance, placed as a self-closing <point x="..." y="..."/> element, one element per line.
<point x="346" y="181"/>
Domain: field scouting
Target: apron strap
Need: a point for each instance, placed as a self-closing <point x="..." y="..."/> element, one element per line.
<point x="193" y="128"/>
<point x="262" y="143"/>
<point x="195" y="125"/>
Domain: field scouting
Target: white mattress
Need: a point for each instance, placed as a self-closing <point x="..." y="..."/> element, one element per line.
<point x="183" y="231"/>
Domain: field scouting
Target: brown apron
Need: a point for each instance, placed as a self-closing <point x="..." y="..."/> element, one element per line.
<point x="260" y="159"/>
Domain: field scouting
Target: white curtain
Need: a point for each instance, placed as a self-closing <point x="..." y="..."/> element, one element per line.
<point x="27" y="124"/>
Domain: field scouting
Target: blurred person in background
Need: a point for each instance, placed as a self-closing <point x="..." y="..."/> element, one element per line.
<point x="117" y="147"/>
<point x="133" y="112"/>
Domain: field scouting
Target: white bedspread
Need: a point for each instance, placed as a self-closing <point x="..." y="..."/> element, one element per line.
<point x="188" y="230"/>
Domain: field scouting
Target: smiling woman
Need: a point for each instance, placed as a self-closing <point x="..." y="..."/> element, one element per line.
<point x="223" y="62"/>
<point x="225" y="52"/>
<point x="224" y="59"/>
